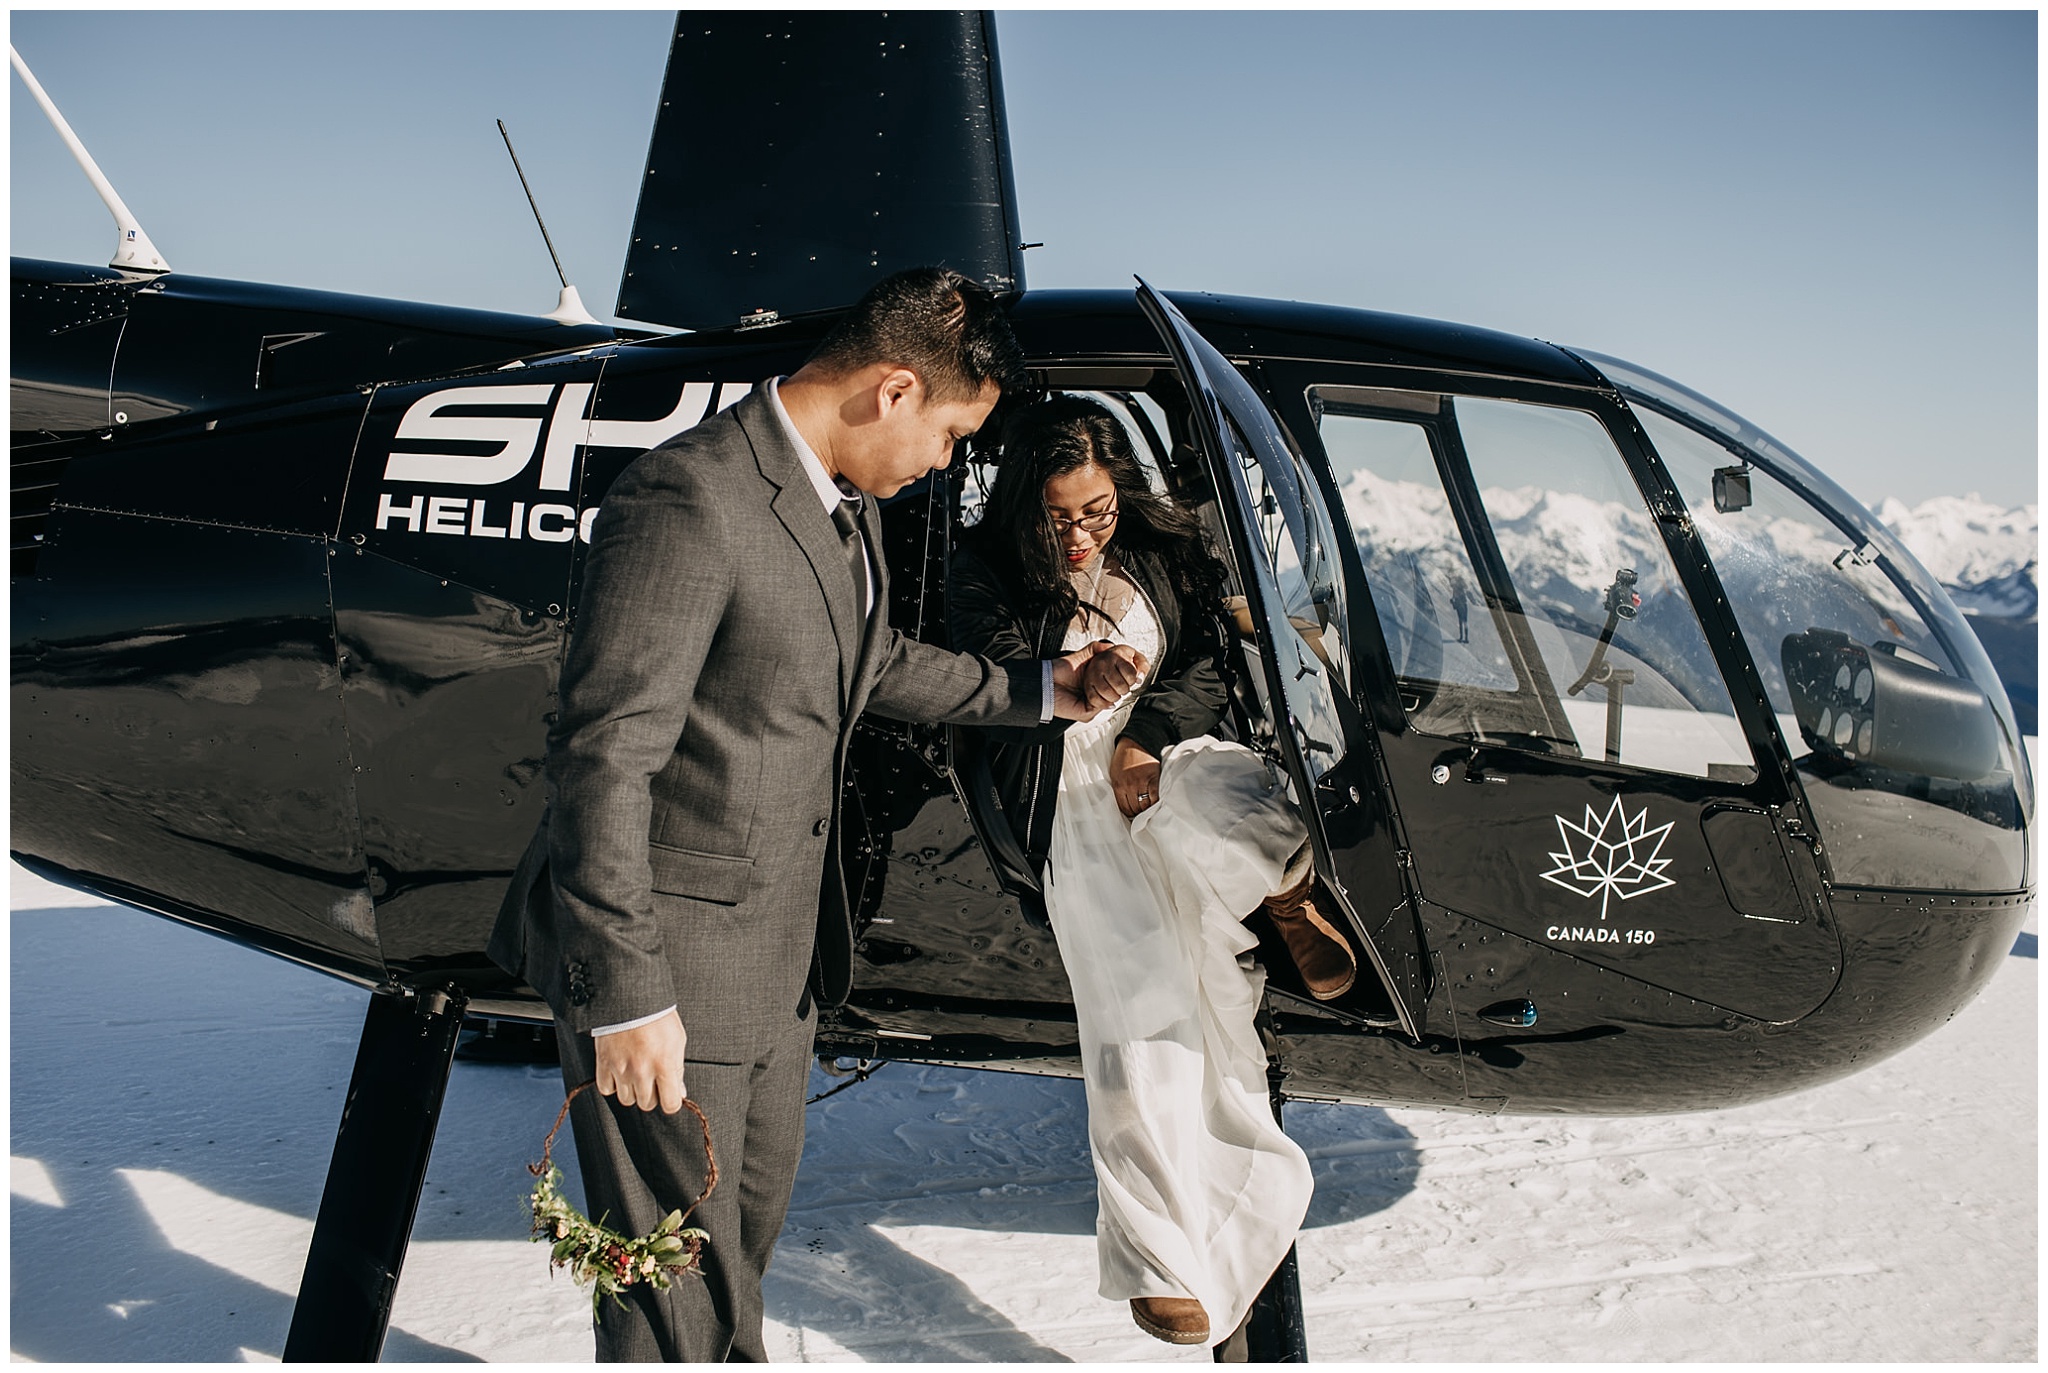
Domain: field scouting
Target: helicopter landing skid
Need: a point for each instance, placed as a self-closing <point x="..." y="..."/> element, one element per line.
<point x="1273" y="1331"/>
<point x="375" y="1177"/>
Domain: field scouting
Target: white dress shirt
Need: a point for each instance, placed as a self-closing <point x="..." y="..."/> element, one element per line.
<point x="830" y="493"/>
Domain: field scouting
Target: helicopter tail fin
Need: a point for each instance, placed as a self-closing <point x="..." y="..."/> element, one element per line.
<point x="799" y="158"/>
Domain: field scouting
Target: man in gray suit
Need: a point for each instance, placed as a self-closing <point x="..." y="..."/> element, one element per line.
<point x="683" y="900"/>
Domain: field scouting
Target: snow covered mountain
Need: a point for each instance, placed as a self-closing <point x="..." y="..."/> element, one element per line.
<point x="1989" y="560"/>
<point x="1561" y="550"/>
<point x="1985" y="556"/>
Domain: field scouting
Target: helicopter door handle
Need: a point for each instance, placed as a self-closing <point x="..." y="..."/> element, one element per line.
<point x="1513" y="1015"/>
<point x="1476" y="773"/>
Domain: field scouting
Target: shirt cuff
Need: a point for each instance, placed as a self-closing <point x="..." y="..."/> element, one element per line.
<point x="1045" y="711"/>
<point x="628" y="1024"/>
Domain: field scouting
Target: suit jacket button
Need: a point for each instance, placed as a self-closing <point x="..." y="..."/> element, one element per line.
<point x="821" y="827"/>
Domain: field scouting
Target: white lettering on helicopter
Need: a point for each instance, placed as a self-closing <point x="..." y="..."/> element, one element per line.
<point x="542" y="521"/>
<point x="1598" y="934"/>
<point x="515" y="436"/>
<point x="563" y="411"/>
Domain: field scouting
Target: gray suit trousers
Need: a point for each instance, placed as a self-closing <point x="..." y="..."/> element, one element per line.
<point x="639" y="1165"/>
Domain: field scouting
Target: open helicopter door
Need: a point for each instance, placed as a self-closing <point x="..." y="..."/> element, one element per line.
<point x="1293" y="585"/>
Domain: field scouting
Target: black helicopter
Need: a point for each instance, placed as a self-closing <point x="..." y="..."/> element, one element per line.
<point x="1649" y="771"/>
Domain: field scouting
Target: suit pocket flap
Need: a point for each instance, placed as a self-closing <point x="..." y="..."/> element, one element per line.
<point x="703" y="876"/>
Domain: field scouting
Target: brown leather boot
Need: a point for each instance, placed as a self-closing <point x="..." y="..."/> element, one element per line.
<point x="1177" y="1320"/>
<point x="1328" y="966"/>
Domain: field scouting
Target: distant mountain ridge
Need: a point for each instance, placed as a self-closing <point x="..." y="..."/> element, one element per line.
<point x="1986" y="556"/>
<point x="1988" y="559"/>
<point x="1562" y="550"/>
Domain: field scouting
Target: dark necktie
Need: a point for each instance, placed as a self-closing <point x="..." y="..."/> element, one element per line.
<point x="845" y="516"/>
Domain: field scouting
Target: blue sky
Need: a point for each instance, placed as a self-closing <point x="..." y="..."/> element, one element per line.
<point x="1826" y="221"/>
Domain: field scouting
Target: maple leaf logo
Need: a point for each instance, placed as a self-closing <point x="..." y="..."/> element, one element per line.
<point x="1614" y="855"/>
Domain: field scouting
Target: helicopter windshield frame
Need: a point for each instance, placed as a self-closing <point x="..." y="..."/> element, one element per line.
<point x="1866" y="544"/>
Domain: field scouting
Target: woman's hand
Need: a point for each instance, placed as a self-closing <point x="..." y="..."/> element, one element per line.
<point x="1090" y="680"/>
<point x="1111" y="673"/>
<point x="1134" y="776"/>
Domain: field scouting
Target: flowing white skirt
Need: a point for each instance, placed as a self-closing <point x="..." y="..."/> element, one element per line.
<point x="1200" y="1191"/>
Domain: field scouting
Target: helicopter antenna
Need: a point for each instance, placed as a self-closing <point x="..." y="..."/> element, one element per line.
<point x="133" y="252"/>
<point x="569" y="308"/>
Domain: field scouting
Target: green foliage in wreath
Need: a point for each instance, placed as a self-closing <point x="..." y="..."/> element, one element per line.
<point x="605" y="1260"/>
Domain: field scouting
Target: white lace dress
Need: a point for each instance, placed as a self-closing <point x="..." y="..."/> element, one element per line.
<point x="1200" y="1192"/>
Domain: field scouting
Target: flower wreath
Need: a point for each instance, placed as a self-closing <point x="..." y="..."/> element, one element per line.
<point x="601" y="1258"/>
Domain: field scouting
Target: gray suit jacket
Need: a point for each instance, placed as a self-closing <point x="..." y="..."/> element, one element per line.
<point x="718" y="662"/>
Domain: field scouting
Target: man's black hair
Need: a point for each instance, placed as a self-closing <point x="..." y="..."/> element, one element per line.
<point x="943" y="326"/>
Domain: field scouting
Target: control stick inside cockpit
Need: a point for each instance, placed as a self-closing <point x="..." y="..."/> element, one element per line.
<point x="1621" y="603"/>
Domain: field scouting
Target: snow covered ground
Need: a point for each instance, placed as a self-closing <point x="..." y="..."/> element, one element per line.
<point x="175" y="1097"/>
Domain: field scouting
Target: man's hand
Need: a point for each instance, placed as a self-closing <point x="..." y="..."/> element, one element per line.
<point x="1134" y="776"/>
<point x="644" y="1066"/>
<point x="1069" y="704"/>
<point x="1097" y="676"/>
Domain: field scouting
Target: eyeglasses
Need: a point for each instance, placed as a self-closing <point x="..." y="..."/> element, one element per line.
<point x="1094" y="524"/>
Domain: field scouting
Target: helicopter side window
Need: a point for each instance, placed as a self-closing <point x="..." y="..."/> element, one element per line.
<point x="1900" y="754"/>
<point x="1462" y="668"/>
<point x="1598" y="591"/>
<point x="1421" y="576"/>
<point x="1298" y="541"/>
<point x="1545" y="614"/>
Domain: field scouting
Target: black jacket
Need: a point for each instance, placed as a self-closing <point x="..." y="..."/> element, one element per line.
<point x="1012" y="774"/>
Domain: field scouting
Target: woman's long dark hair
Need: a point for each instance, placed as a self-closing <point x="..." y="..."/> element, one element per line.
<point x="1061" y="435"/>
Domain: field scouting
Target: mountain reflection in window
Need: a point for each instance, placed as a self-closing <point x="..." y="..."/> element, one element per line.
<point x="1792" y="575"/>
<point x="1493" y="609"/>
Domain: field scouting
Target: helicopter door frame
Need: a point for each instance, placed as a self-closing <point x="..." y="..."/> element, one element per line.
<point x="1740" y="924"/>
<point x="1490" y="566"/>
<point x="1233" y="426"/>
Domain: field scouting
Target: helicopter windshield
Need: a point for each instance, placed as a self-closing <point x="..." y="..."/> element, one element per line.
<point x="1897" y="723"/>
